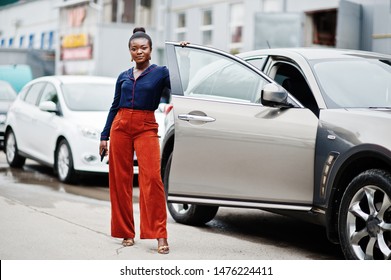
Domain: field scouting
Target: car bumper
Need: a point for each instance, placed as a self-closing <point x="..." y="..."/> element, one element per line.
<point x="86" y="158"/>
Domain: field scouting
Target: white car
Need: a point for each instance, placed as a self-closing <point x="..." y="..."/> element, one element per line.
<point x="7" y="96"/>
<point x="57" y="121"/>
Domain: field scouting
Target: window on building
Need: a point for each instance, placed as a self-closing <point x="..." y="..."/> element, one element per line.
<point x="324" y="27"/>
<point x="2" y="42"/>
<point x="42" y="40"/>
<point x="31" y="41"/>
<point x="114" y="8"/>
<point x="181" y="27"/>
<point x="145" y="3"/>
<point x="10" y="42"/>
<point x="120" y="10"/>
<point x="21" y="42"/>
<point x="181" y="20"/>
<point x="129" y="11"/>
<point x="207" y="27"/>
<point x="236" y="26"/>
<point x="207" y="19"/>
<point x="51" y="40"/>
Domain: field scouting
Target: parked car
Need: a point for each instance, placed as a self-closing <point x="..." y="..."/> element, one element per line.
<point x="57" y="121"/>
<point x="7" y="96"/>
<point x="301" y="132"/>
<point x="16" y="74"/>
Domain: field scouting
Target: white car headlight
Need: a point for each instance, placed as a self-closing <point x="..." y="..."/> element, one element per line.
<point x="90" y="132"/>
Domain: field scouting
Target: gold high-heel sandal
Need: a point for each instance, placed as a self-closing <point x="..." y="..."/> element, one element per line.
<point x="162" y="249"/>
<point x="127" y="242"/>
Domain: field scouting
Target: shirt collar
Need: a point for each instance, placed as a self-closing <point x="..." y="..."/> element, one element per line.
<point x="145" y="72"/>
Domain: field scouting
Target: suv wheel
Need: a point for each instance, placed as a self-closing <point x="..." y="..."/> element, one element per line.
<point x="11" y="151"/>
<point x="365" y="217"/>
<point x="190" y="214"/>
<point x="64" y="162"/>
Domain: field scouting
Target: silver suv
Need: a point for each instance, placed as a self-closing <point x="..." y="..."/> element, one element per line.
<point x="301" y="132"/>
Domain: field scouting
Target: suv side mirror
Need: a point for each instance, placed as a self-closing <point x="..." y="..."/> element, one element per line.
<point x="274" y="95"/>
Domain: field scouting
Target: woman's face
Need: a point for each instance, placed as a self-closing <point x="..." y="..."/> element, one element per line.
<point x="140" y="50"/>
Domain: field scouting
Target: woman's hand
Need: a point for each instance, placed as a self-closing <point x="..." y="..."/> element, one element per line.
<point x="183" y="52"/>
<point x="103" y="146"/>
<point x="184" y="43"/>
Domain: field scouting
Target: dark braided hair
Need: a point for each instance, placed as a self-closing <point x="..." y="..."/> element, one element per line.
<point x="139" y="32"/>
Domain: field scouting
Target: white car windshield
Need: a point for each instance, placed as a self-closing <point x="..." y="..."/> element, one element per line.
<point x="88" y="97"/>
<point x="7" y="93"/>
<point x="355" y="83"/>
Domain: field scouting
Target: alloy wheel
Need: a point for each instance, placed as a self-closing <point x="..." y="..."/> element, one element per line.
<point x="63" y="161"/>
<point x="181" y="209"/>
<point x="368" y="223"/>
<point x="365" y="217"/>
<point x="11" y="151"/>
<point x="10" y="148"/>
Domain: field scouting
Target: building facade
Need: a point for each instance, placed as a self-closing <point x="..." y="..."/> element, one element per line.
<point x="90" y="37"/>
<point x="237" y="26"/>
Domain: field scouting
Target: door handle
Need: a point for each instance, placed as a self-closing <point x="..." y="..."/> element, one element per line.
<point x="186" y="117"/>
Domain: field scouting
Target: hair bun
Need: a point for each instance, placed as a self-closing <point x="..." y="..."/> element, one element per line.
<point x="139" y="32"/>
<point x="139" y="29"/>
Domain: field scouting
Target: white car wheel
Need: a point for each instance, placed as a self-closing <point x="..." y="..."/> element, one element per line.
<point x="64" y="162"/>
<point x="11" y="151"/>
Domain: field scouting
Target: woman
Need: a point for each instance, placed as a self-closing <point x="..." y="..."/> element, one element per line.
<point x="131" y="127"/>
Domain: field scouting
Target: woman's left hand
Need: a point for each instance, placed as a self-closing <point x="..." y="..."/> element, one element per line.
<point x="184" y="43"/>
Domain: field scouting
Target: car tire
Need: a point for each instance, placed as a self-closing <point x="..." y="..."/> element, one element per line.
<point x="12" y="152"/>
<point x="190" y="214"/>
<point x="365" y="217"/>
<point x="64" y="163"/>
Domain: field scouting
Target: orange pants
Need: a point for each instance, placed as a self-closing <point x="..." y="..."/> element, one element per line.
<point x="136" y="131"/>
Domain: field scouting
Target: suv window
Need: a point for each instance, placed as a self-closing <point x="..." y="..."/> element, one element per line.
<point x="293" y="81"/>
<point x="212" y="76"/>
<point x="33" y="93"/>
<point x="258" y="62"/>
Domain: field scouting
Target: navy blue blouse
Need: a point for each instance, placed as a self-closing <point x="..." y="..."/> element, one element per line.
<point x="145" y="93"/>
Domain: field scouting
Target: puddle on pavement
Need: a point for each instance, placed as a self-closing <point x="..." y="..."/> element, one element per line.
<point x="92" y="186"/>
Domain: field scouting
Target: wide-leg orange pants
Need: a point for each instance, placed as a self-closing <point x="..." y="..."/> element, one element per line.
<point x="136" y="131"/>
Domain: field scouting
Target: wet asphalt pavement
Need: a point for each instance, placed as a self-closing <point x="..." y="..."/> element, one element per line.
<point x="43" y="219"/>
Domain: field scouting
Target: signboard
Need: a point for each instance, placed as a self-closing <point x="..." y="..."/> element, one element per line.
<point x="76" y="47"/>
<point x="81" y="53"/>
<point x="75" y="40"/>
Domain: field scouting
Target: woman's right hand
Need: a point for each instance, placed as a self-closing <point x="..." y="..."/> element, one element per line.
<point x="103" y="145"/>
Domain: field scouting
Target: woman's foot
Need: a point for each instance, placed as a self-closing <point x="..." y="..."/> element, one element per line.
<point x="128" y="242"/>
<point x="162" y="246"/>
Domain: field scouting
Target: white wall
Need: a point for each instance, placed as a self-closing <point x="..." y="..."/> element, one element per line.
<point x="33" y="17"/>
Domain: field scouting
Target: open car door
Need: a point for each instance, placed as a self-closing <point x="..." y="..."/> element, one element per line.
<point x="229" y="148"/>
